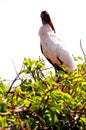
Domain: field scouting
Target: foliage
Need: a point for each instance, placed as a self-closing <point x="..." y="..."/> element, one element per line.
<point x="43" y="101"/>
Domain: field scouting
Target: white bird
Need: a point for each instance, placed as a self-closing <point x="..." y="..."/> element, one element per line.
<point x="52" y="47"/>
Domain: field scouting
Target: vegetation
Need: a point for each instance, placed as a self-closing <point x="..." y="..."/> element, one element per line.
<point x="43" y="101"/>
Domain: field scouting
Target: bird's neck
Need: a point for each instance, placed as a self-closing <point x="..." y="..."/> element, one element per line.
<point x="45" y="30"/>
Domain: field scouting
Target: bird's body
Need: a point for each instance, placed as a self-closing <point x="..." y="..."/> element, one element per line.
<point x="53" y="49"/>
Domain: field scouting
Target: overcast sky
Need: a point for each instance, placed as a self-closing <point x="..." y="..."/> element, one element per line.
<point x="20" y="22"/>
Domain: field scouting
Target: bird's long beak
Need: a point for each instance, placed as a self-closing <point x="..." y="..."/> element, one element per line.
<point x="51" y="25"/>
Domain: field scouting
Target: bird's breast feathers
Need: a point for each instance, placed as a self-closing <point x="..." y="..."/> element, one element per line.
<point x="51" y="44"/>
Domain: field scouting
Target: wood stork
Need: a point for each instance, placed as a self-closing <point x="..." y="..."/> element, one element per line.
<point x="52" y="47"/>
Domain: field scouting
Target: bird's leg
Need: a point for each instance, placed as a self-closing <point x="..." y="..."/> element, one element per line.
<point x="58" y="76"/>
<point x="58" y="68"/>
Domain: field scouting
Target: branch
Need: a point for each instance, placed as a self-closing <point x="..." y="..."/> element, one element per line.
<point x="4" y="113"/>
<point x="12" y="84"/>
<point x="82" y="50"/>
<point x="15" y="78"/>
<point x="23" y="109"/>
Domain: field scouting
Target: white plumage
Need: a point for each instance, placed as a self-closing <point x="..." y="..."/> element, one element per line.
<point x="53" y="49"/>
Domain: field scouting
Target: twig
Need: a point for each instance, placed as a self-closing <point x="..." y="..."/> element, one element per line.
<point x="15" y="78"/>
<point x="82" y="50"/>
<point x="27" y="109"/>
<point x="4" y="113"/>
<point x="12" y="84"/>
<point x="47" y="68"/>
<point x="14" y="66"/>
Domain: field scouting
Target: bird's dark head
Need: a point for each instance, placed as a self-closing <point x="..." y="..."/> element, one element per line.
<point x="45" y="17"/>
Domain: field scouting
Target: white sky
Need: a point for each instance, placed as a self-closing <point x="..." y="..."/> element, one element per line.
<point x="20" y="22"/>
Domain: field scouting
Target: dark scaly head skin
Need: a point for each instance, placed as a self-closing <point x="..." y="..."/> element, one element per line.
<point x="45" y="17"/>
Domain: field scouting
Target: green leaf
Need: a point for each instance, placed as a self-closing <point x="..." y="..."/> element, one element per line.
<point x="2" y="88"/>
<point x="36" y="101"/>
<point x="3" y="107"/>
<point x="83" y="119"/>
<point x="26" y="102"/>
<point x="80" y="58"/>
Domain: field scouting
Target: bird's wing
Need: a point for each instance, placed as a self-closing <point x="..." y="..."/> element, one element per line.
<point x="56" y="66"/>
<point x="65" y="56"/>
<point x="48" y="48"/>
<point x="53" y="50"/>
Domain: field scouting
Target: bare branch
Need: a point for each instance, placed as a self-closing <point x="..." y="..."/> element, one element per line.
<point x="14" y="66"/>
<point x="4" y="113"/>
<point x="16" y="78"/>
<point x="12" y="84"/>
<point x="23" y="109"/>
<point x="82" y="50"/>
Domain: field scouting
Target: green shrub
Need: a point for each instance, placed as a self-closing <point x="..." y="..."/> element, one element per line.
<point x="43" y="101"/>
